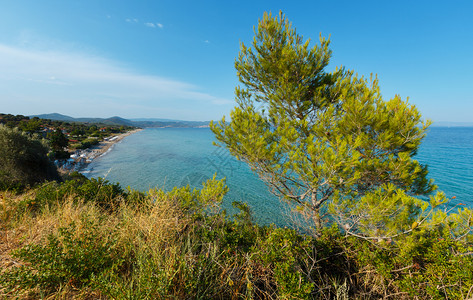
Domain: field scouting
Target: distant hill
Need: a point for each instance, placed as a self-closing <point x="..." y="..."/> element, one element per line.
<point x="107" y="121"/>
<point x="154" y="120"/>
<point x="143" y="123"/>
<point x="182" y="124"/>
<point x="56" y="117"/>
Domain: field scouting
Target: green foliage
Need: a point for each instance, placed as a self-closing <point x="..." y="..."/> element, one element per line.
<point x="99" y="191"/>
<point x="61" y="131"/>
<point x="244" y="217"/>
<point x="425" y="265"/>
<point x="439" y="267"/>
<point x="387" y="212"/>
<point x="31" y="125"/>
<point x="23" y="160"/>
<point x="65" y="258"/>
<point x="196" y="201"/>
<point x="58" y="140"/>
<point x="109" y="196"/>
<point x="59" y="154"/>
<point x="87" y="143"/>
<point x="283" y="252"/>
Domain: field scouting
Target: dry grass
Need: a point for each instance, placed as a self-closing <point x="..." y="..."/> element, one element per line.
<point x="152" y="224"/>
<point x="148" y="230"/>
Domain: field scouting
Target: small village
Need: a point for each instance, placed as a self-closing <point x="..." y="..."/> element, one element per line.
<point x="73" y="145"/>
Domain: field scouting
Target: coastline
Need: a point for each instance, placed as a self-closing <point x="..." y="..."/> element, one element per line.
<point x="80" y="159"/>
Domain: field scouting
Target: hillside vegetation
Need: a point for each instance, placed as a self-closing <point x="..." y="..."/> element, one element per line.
<point x="23" y="160"/>
<point x="87" y="239"/>
<point x="62" y="137"/>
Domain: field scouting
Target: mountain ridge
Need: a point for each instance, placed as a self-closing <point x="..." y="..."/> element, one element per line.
<point x="116" y="120"/>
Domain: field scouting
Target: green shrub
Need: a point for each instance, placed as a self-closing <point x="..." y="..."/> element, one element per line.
<point x="60" y="154"/>
<point x="99" y="191"/>
<point x="64" y="258"/>
<point x="433" y="265"/>
<point x="193" y="201"/>
<point x="23" y="160"/>
<point x="424" y="265"/>
<point x="89" y="142"/>
<point x="283" y="252"/>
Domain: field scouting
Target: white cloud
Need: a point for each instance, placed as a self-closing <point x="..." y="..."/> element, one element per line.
<point x="154" y="25"/>
<point x="131" y="20"/>
<point x="78" y="84"/>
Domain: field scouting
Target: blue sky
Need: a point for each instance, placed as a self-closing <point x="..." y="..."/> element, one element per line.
<point x="175" y="59"/>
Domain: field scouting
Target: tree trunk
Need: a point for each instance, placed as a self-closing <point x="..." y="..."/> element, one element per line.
<point x="316" y="214"/>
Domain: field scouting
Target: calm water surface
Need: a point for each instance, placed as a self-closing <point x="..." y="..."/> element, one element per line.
<point x="449" y="155"/>
<point x="169" y="157"/>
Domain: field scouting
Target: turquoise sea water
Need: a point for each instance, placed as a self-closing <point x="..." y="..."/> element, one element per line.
<point x="168" y="157"/>
<point x="448" y="151"/>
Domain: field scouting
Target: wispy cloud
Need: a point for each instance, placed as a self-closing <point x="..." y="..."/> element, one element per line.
<point x="154" y="25"/>
<point x="131" y="20"/>
<point x="85" y="85"/>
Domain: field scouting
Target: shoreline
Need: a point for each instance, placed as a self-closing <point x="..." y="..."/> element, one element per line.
<point x="80" y="159"/>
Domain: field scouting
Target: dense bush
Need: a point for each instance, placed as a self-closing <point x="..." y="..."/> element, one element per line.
<point x="23" y="160"/>
<point x="87" y="143"/>
<point x="64" y="258"/>
<point x="99" y="191"/>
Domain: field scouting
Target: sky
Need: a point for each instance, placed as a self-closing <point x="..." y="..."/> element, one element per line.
<point x="175" y="59"/>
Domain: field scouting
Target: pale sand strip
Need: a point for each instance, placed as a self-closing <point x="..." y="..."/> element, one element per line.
<point x="84" y="157"/>
<point x="103" y="146"/>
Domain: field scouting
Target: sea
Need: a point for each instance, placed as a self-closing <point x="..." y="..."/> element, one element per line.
<point x="168" y="157"/>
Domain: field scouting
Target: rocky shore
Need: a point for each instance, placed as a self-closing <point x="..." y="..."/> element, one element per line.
<point x="81" y="158"/>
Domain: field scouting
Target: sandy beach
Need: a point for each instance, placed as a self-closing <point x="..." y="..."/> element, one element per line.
<point x="80" y="159"/>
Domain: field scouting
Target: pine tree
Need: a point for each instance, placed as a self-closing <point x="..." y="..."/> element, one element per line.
<point x="58" y="140"/>
<point x="325" y="141"/>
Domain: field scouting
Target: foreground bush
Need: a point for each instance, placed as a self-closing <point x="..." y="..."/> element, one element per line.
<point x="64" y="258"/>
<point x="91" y="239"/>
